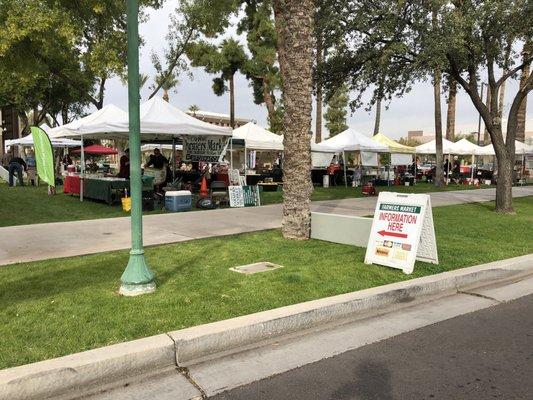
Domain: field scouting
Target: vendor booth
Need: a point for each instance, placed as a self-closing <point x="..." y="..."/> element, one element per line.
<point x="160" y="122"/>
<point x="366" y="150"/>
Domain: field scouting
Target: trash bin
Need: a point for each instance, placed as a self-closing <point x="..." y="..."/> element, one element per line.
<point x="178" y="200"/>
<point x="325" y="180"/>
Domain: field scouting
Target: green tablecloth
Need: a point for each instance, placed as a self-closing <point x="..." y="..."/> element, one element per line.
<point x="105" y="189"/>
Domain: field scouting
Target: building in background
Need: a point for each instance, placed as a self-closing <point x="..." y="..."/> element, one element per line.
<point x="218" y="119"/>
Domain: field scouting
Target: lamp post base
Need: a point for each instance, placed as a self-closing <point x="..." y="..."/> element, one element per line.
<point x="131" y="290"/>
<point x="137" y="278"/>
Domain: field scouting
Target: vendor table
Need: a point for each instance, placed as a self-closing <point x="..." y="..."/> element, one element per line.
<point x="71" y="184"/>
<point x="269" y="187"/>
<point x="103" y="189"/>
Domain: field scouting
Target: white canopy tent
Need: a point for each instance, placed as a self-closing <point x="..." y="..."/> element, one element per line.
<point x="520" y="148"/>
<point x="430" y="147"/>
<point x="160" y="120"/>
<point x="258" y="138"/>
<point x="464" y="147"/>
<point x="27" y="141"/>
<point x="351" y="140"/>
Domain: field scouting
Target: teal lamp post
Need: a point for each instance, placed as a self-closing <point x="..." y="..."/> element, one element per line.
<point x="137" y="278"/>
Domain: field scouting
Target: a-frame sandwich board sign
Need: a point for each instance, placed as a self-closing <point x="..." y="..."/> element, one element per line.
<point x="402" y="231"/>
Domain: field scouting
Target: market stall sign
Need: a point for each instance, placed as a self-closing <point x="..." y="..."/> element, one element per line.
<point x="402" y="231"/>
<point x="203" y="148"/>
<point x="244" y="196"/>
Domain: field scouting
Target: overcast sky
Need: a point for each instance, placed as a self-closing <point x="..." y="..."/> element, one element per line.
<point x="412" y="112"/>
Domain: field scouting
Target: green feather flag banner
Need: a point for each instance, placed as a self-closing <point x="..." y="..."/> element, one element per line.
<point x="44" y="155"/>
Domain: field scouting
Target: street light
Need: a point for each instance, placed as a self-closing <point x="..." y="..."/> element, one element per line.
<point x="479" y="119"/>
<point x="137" y="278"/>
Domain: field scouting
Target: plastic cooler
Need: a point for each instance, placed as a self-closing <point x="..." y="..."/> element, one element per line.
<point x="178" y="200"/>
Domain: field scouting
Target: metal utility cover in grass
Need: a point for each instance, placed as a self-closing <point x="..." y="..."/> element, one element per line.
<point x="255" y="268"/>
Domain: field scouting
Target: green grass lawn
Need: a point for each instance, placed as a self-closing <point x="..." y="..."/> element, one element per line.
<point x="56" y="307"/>
<point x="31" y="205"/>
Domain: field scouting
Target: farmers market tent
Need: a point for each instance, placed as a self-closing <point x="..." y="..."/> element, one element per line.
<point x="394" y="147"/>
<point x="430" y="147"/>
<point x="160" y="120"/>
<point x="351" y="140"/>
<point x="464" y="147"/>
<point x="258" y="138"/>
<point x="27" y="141"/>
<point x="520" y="148"/>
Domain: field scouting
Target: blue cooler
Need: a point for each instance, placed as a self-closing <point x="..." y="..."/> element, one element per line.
<point x="178" y="200"/>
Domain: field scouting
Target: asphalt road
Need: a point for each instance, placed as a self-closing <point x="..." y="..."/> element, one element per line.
<point x="483" y="355"/>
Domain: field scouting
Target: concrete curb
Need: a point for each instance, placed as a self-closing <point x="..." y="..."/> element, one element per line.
<point x="71" y="376"/>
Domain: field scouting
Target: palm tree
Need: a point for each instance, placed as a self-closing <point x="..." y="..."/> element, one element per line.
<point x="294" y="25"/>
<point x="167" y="82"/>
<point x="194" y="108"/>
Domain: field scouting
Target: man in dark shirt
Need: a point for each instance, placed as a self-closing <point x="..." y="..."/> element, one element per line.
<point x="124" y="169"/>
<point x="157" y="160"/>
<point x="16" y="164"/>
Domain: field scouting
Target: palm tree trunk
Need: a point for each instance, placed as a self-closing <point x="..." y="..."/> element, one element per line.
<point x="165" y="95"/>
<point x="319" y="95"/>
<point x="439" y="173"/>
<point x="378" y="116"/>
<point x="450" y="116"/>
<point x="232" y="101"/>
<point x="296" y="39"/>
<point x="522" y="110"/>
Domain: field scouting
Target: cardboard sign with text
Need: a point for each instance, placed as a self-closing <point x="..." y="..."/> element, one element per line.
<point x="402" y="232"/>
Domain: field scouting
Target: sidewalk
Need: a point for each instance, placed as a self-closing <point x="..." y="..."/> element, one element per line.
<point x="66" y="239"/>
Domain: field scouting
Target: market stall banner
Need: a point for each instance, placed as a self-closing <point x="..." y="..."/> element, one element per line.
<point x="44" y="156"/>
<point x="244" y="196"/>
<point x="203" y="148"/>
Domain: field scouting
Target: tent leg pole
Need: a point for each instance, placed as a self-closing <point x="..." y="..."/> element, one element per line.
<point x="472" y="170"/>
<point x="344" y="164"/>
<point x="82" y="170"/>
<point x="245" y="164"/>
<point x="173" y="158"/>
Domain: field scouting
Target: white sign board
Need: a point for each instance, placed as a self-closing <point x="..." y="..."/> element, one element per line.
<point x="402" y="231"/>
<point x="203" y="148"/>
<point x="236" y="196"/>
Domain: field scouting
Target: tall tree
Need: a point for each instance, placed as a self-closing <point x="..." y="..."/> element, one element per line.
<point x="527" y="52"/>
<point x="294" y="25"/>
<point x="225" y="60"/>
<point x="336" y="112"/>
<point x="377" y="120"/>
<point x="261" y="69"/>
<point x="452" y="104"/>
<point x="439" y="171"/>
<point x="469" y="39"/>
<point x="318" y="93"/>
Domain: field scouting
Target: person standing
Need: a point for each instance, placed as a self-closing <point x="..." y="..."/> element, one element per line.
<point x="124" y="169"/>
<point x="31" y="168"/>
<point x="16" y="165"/>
